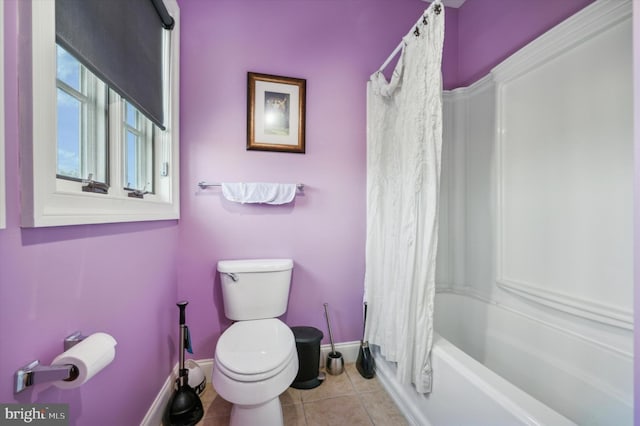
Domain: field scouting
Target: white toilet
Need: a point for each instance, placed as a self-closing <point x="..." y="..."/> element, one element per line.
<point x="256" y="358"/>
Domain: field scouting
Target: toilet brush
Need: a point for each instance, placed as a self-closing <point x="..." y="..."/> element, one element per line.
<point x="335" y="363"/>
<point x="185" y="407"/>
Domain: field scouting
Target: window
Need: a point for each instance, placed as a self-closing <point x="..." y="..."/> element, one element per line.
<point x="83" y="117"/>
<point x="109" y="162"/>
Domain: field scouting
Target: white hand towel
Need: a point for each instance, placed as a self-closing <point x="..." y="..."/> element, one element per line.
<point x="268" y="193"/>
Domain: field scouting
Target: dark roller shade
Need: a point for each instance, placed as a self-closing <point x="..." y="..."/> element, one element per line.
<point x="121" y="42"/>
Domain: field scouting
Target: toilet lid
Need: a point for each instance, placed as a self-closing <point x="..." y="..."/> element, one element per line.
<point x="255" y="347"/>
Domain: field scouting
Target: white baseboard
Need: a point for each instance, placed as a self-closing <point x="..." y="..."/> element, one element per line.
<point x="349" y="351"/>
<point x="156" y="411"/>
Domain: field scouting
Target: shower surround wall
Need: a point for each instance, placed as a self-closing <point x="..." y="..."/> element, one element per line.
<point x="335" y="46"/>
<point x="539" y="199"/>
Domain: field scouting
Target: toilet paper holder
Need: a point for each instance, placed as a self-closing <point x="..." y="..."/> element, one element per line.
<point x="34" y="373"/>
<point x="73" y="339"/>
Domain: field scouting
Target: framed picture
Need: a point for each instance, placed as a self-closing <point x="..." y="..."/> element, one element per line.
<point x="275" y="113"/>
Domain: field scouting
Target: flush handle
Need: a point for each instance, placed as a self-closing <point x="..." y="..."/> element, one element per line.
<point x="231" y="275"/>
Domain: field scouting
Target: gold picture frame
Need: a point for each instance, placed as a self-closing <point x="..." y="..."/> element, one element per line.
<point x="275" y="113"/>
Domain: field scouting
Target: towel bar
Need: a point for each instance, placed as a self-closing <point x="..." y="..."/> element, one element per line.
<point x="205" y="185"/>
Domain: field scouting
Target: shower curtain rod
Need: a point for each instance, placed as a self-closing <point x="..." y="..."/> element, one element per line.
<point x="393" y="55"/>
<point x="437" y="4"/>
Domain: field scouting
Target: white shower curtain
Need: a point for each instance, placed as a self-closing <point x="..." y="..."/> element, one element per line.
<point x="404" y="142"/>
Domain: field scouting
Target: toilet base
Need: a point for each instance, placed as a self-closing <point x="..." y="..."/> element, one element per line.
<point x="267" y="414"/>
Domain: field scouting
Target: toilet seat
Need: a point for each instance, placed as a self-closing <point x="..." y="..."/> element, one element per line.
<point x="255" y="350"/>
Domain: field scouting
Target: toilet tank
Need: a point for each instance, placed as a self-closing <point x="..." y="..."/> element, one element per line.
<point x="256" y="288"/>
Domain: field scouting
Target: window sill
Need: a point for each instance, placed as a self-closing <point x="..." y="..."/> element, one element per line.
<point x="63" y="208"/>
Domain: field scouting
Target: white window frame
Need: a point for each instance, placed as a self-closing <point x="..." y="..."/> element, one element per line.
<point x="49" y="201"/>
<point x="3" y="207"/>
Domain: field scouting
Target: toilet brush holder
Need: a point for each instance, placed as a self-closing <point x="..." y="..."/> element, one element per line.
<point x="335" y="363"/>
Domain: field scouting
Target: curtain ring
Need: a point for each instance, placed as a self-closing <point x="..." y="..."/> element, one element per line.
<point x="416" y="32"/>
<point x="424" y="20"/>
<point x="437" y="9"/>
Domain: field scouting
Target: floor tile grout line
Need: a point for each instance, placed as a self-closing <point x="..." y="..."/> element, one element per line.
<point x="364" y="407"/>
<point x="366" y="410"/>
<point x="304" y="413"/>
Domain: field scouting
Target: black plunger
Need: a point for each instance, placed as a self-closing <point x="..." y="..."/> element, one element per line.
<point x="365" y="364"/>
<point x="185" y="407"/>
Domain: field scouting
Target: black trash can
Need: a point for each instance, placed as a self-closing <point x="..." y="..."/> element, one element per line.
<point x="308" y="346"/>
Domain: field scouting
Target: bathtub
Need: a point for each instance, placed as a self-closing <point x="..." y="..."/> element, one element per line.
<point x="488" y="372"/>
<point x="465" y="393"/>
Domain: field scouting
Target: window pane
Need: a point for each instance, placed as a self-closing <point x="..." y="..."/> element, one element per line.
<point x="68" y="68"/>
<point x="68" y="135"/>
<point x="82" y="122"/>
<point x="131" y="115"/>
<point x="138" y="139"/>
<point x="132" y="179"/>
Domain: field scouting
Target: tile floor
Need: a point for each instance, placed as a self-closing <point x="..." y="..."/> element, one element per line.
<point x="346" y="399"/>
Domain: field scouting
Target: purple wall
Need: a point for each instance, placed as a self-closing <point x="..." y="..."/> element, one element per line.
<point x="118" y="278"/>
<point x="125" y="278"/>
<point x="335" y="46"/>
<point x="450" y="50"/>
<point x="489" y="31"/>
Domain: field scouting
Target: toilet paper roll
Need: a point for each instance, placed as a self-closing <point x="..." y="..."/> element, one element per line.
<point x="89" y="356"/>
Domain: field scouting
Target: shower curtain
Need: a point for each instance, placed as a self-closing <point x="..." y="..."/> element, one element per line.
<point x="404" y="142"/>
